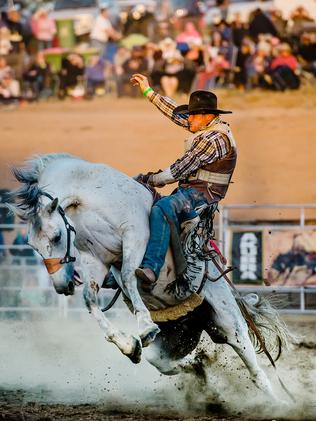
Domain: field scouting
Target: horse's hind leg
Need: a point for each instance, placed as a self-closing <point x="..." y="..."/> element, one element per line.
<point x="233" y="328"/>
<point x="242" y="345"/>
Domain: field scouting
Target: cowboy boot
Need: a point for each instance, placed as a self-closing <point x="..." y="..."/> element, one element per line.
<point x="148" y="278"/>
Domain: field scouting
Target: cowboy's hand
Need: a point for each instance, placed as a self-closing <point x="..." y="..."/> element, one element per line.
<point x="144" y="178"/>
<point x="154" y="181"/>
<point x="140" y="80"/>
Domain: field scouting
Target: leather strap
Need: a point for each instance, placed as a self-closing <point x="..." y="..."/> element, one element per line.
<point x="53" y="264"/>
<point x="211" y="177"/>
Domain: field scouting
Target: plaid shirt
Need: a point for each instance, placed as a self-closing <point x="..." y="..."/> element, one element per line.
<point x="207" y="146"/>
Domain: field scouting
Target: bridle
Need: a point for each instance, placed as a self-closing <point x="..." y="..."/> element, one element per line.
<point x="55" y="263"/>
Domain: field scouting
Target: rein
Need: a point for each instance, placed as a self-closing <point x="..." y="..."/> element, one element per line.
<point x="55" y="263"/>
<point x="113" y="301"/>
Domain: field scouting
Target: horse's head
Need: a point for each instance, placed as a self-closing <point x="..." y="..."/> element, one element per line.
<point x="52" y="235"/>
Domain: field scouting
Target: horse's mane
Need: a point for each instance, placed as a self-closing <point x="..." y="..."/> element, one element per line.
<point x="25" y="201"/>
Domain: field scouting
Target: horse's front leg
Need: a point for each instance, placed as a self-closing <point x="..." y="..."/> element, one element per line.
<point x="133" y="252"/>
<point x="93" y="275"/>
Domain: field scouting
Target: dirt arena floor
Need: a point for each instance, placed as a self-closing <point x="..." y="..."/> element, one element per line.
<point x="56" y="370"/>
<point x="275" y="133"/>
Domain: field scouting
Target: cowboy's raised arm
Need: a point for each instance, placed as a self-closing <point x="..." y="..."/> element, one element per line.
<point x="163" y="103"/>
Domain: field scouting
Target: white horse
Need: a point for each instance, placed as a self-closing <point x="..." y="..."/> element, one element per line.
<point x="97" y="216"/>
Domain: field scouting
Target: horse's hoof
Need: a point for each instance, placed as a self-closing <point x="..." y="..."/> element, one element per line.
<point x="149" y="337"/>
<point x="136" y="355"/>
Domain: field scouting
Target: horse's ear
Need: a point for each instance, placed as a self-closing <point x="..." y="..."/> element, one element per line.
<point x="51" y="207"/>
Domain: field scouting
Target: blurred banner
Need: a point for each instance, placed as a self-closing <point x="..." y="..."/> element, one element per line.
<point x="281" y="257"/>
<point x="247" y="257"/>
<point x="290" y="257"/>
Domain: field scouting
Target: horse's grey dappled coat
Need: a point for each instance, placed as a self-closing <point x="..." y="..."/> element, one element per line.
<point x="110" y="212"/>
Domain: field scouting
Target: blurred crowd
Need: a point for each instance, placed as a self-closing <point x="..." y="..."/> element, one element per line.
<point x="266" y="51"/>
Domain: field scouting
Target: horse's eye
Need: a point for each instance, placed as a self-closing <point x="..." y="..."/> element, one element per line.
<point x="57" y="238"/>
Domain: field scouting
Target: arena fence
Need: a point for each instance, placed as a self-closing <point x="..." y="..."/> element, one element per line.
<point x="26" y="290"/>
<point x="294" y="221"/>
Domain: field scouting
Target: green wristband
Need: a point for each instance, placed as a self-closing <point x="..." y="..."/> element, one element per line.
<point x="146" y="92"/>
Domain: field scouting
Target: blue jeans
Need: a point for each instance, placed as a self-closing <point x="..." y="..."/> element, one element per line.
<point x="178" y="207"/>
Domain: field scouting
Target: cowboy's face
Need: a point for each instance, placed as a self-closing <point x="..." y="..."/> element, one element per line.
<point x="198" y="121"/>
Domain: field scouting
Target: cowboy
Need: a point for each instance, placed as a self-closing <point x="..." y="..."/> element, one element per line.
<point x="203" y="172"/>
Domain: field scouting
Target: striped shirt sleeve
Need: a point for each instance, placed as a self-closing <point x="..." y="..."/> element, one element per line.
<point x="166" y="105"/>
<point x="208" y="147"/>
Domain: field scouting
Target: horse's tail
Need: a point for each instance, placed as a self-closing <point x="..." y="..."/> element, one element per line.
<point x="267" y="332"/>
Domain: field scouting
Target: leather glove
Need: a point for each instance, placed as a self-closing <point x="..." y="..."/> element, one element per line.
<point x="143" y="178"/>
<point x="147" y="178"/>
<point x="161" y="178"/>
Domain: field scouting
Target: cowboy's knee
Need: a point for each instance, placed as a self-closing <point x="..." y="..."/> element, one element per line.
<point x="167" y="206"/>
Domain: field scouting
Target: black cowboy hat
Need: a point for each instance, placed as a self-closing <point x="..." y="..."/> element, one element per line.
<point x="200" y="102"/>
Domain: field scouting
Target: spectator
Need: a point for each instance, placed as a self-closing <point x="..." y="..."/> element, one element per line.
<point x="215" y="44"/>
<point x="239" y="30"/>
<point x="43" y="28"/>
<point x="172" y="69"/>
<point x="215" y="70"/>
<point x="150" y="50"/>
<point x="136" y="63"/>
<point x="283" y="68"/>
<point x="307" y="53"/>
<point x="121" y="56"/>
<point x="163" y="31"/>
<point x="9" y="89"/>
<point x="195" y="53"/>
<point x="189" y="35"/>
<point x="193" y="62"/>
<point x="13" y="22"/>
<point x="174" y="64"/>
<point x="102" y="31"/>
<point x="5" y="43"/>
<point x="169" y="48"/>
<point x="70" y="75"/>
<point x="37" y="77"/>
<point x="278" y="21"/>
<point x="257" y="67"/>
<point x="225" y="30"/>
<point x="261" y="24"/>
<point x="241" y="77"/>
<point x="264" y="43"/>
<point x="94" y="76"/>
<point x="157" y="70"/>
<point x="298" y="20"/>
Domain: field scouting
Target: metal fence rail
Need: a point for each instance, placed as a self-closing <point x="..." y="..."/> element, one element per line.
<point x="14" y="282"/>
<point x="227" y="224"/>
